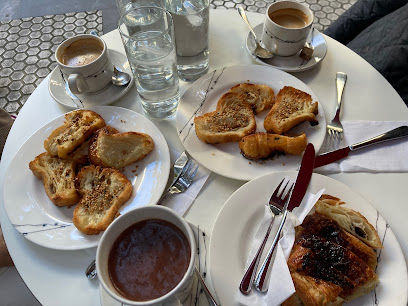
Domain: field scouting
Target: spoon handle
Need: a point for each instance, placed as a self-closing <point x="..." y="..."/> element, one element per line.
<point x="241" y="12"/>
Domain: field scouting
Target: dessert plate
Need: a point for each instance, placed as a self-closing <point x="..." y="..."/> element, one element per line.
<point x="59" y="90"/>
<point x="229" y="248"/>
<point x="290" y="63"/>
<point x="226" y="159"/>
<point x="40" y="221"/>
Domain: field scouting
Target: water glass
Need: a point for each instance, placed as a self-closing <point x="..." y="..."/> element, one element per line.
<point x="126" y="5"/>
<point x="191" y="20"/>
<point x="148" y="37"/>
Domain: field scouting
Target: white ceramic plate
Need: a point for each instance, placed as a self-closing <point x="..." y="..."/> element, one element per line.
<point x="59" y="89"/>
<point x="229" y="248"/>
<point x="39" y="220"/>
<point x="226" y="159"/>
<point x="197" y="296"/>
<point x="290" y="63"/>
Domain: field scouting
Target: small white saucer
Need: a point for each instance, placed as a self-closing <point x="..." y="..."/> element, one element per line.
<point x="290" y="63"/>
<point x="59" y="90"/>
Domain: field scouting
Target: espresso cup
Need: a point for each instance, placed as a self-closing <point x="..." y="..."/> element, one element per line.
<point x="84" y="63"/>
<point x="144" y="232"/>
<point x="286" y="28"/>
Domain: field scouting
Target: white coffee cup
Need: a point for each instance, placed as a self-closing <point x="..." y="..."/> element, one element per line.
<point x="182" y="289"/>
<point x="84" y="63"/>
<point x="286" y="28"/>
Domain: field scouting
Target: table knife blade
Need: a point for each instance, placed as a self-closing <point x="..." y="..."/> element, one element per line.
<point x="332" y="156"/>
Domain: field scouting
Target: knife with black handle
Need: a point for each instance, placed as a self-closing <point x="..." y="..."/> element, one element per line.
<point x="330" y="157"/>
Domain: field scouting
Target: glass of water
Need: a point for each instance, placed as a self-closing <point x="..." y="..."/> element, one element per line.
<point x="148" y="37"/>
<point x="191" y="20"/>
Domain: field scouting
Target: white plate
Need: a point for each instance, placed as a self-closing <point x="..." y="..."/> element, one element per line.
<point x="197" y="296"/>
<point x="290" y="63"/>
<point x="226" y="159"/>
<point x="39" y="220"/>
<point x="59" y="89"/>
<point x="229" y="248"/>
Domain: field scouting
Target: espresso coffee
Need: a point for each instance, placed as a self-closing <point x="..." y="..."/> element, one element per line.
<point x="148" y="260"/>
<point x="81" y="52"/>
<point x="290" y="18"/>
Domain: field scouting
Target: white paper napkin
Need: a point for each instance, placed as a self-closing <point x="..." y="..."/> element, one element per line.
<point x="280" y="283"/>
<point x="182" y="201"/>
<point x="388" y="156"/>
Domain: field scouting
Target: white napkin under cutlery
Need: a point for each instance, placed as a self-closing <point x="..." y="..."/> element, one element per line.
<point x="280" y="283"/>
<point x="388" y="156"/>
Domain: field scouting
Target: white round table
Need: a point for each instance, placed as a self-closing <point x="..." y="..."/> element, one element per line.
<point x="57" y="277"/>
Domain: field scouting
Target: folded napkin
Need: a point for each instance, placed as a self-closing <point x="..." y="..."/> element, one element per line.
<point x="388" y="156"/>
<point x="182" y="201"/>
<point x="280" y="283"/>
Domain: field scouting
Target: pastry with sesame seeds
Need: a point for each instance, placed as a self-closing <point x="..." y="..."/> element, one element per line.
<point x="292" y="107"/>
<point x="259" y="97"/>
<point x="78" y="127"/>
<point x="232" y="120"/>
<point x="103" y="191"/>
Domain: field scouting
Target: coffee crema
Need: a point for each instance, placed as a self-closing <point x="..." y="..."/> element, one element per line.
<point x="290" y="18"/>
<point x="148" y="260"/>
<point x="81" y="52"/>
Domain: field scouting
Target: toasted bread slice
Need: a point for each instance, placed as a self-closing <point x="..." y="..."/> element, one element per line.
<point x="58" y="176"/>
<point x="263" y="145"/>
<point x="104" y="191"/>
<point x="108" y="148"/>
<point x="78" y="127"/>
<point x="350" y="220"/>
<point x="259" y="97"/>
<point x="232" y="120"/>
<point x="292" y="106"/>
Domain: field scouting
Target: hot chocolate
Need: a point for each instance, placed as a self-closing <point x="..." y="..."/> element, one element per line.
<point x="148" y="260"/>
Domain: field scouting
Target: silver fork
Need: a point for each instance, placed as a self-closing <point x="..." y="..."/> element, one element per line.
<point x="335" y="128"/>
<point x="276" y="204"/>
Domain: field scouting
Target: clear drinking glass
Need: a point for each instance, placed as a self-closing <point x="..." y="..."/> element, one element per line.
<point x="126" y="5"/>
<point x="191" y="20"/>
<point x="148" y="37"/>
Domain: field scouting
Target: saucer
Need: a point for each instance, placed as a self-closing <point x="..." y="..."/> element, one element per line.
<point x="290" y="63"/>
<point x="59" y="89"/>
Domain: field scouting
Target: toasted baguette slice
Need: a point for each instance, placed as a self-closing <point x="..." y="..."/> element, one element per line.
<point x="232" y="120"/>
<point x="104" y="191"/>
<point x="263" y="145"/>
<point x="78" y="127"/>
<point x="117" y="150"/>
<point x="58" y="176"/>
<point x="292" y="106"/>
<point x="259" y="97"/>
<point x="350" y="220"/>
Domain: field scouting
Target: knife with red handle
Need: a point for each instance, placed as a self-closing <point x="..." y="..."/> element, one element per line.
<point x="302" y="182"/>
<point x="330" y="157"/>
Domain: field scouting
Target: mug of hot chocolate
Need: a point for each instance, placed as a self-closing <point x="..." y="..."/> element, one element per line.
<point x="147" y="257"/>
<point x="84" y="63"/>
<point x="286" y="28"/>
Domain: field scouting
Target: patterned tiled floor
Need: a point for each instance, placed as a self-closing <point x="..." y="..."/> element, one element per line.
<point x="27" y="45"/>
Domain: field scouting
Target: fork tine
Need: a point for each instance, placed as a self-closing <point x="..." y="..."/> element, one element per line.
<point x="186" y="168"/>
<point x="289" y="192"/>
<point x="275" y="193"/>
<point x="192" y="174"/>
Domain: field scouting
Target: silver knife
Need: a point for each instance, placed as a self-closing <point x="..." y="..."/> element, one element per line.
<point x="302" y="181"/>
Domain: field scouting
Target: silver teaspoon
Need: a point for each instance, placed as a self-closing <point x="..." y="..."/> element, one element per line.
<point x="120" y="78"/>
<point x="259" y="50"/>
<point x="90" y="271"/>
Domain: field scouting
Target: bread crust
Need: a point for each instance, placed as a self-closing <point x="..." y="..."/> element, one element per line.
<point x="58" y="177"/>
<point x="104" y="191"/>
<point x="259" y="97"/>
<point x="292" y="107"/>
<point x="264" y="145"/>
<point x="351" y="220"/>
<point x="78" y="127"/>
<point x="232" y="120"/>
<point x="109" y="148"/>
